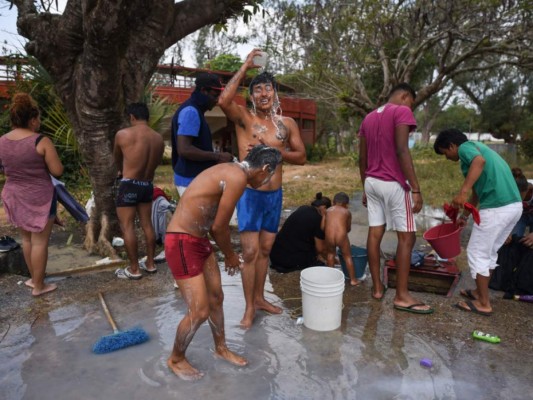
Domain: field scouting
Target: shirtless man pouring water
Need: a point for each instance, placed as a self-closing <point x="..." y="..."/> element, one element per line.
<point x="259" y="210"/>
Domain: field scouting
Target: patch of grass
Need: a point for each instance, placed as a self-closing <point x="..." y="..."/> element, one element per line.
<point x="439" y="179"/>
<point x="331" y="175"/>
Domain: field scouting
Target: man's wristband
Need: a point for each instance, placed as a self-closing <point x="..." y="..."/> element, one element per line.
<point x="412" y="191"/>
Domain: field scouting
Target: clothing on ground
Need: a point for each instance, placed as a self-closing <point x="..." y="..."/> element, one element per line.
<point x="161" y="209"/>
<point x="514" y="273"/>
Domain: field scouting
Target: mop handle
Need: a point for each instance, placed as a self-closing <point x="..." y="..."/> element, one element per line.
<point x="107" y="313"/>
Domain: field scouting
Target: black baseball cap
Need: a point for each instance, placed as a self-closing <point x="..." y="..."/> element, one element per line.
<point x="209" y="81"/>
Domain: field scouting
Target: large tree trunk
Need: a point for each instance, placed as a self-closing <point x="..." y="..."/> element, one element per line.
<point x="101" y="55"/>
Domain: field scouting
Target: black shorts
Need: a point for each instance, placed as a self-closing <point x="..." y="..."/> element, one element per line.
<point x="132" y="192"/>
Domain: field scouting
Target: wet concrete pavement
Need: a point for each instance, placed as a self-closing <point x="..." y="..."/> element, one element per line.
<point x="45" y="344"/>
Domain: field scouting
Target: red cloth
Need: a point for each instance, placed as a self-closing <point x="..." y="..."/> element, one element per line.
<point x="452" y="212"/>
<point x="159" y="192"/>
<point x="473" y="210"/>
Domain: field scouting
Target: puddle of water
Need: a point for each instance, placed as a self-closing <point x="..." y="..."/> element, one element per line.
<point x="14" y="352"/>
<point x="374" y="355"/>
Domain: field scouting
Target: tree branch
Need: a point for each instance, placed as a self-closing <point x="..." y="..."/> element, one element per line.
<point x="187" y="19"/>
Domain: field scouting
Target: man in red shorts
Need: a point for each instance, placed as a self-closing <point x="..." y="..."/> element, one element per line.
<point x="206" y="207"/>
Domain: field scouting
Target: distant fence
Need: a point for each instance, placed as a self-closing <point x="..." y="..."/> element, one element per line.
<point x="506" y="150"/>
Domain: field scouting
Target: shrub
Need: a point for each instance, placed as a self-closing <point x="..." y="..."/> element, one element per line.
<point x="525" y="147"/>
<point x="315" y="153"/>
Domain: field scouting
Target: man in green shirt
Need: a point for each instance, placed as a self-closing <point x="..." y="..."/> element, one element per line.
<point x="492" y="187"/>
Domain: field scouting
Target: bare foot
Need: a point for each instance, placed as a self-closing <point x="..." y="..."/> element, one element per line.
<point x="379" y="294"/>
<point x="29" y="283"/>
<point x="248" y="319"/>
<point x="268" y="307"/>
<point x="354" y="282"/>
<point x="184" y="370"/>
<point x="231" y="357"/>
<point x="47" y="288"/>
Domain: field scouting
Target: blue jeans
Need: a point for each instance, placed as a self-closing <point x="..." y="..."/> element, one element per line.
<point x="525" y="221"/>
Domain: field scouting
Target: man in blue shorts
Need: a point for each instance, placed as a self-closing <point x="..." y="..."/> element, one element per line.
<point x="259" y="210"/>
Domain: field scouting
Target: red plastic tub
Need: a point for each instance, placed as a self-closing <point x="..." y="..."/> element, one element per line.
<point x="445" y="240"/>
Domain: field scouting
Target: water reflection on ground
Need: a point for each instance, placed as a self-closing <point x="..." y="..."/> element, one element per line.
<point x="374" y="355"/>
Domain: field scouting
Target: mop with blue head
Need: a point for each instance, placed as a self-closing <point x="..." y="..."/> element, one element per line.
<point x="118" y="340"/>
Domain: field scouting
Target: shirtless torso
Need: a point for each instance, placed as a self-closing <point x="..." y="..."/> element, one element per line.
<point x="338" y="224"/>
<point x="138" y="151"/>
<point x="258" y="223"/>
<point x="209" y="203"/>
<point x="140" y="148"/>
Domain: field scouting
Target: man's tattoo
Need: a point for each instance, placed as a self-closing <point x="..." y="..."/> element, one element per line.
<point x="282" y="132"/>
<point x="259" y="129"/>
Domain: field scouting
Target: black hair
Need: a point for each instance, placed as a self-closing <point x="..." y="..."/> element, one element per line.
<point x="522" y="183"/>
<point x="138" y="110"/>
<point x="207" y="80"/>
<point x="263" y="155"/>
<point x="517" y="172"/>
<point x="321" y="201"/>
<point x="448" y="137"/>
<point x="403" y="87"/>
<point x="341" y="198"/>
<point x="263" y="77"/>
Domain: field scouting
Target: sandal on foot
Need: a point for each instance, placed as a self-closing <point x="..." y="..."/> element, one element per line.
<point x="473" y="308"/>
<point x="126" y="274"/>
<point x="142" y="265"/>
<point x="413" y="310"/>
<point x="468" y="294"/>
<point x="160" y="258"/>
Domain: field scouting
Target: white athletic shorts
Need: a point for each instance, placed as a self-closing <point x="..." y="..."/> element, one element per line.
<point x="181" y="190"/>
<point x="389" y="204"/>
<point x="487" y="237"/>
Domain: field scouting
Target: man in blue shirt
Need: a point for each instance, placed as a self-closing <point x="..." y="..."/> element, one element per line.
<point x="192" y="148"/>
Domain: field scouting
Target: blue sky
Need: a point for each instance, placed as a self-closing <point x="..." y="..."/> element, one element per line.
<point x="9" y="38"/>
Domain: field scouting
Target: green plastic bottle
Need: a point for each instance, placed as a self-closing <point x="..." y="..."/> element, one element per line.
<point x="487" y="337"/>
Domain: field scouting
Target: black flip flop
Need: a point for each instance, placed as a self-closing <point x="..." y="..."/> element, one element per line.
<point x="473" y="308"/>
<point x="413" y="310"/>
<point x="467" y="293"/>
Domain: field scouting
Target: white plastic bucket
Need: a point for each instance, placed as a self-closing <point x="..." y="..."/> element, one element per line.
<point x="322" y="290"/>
